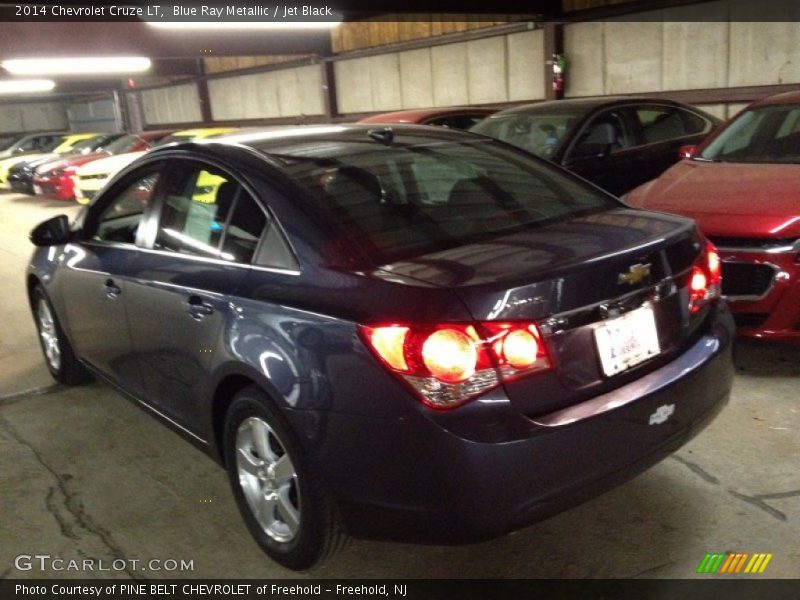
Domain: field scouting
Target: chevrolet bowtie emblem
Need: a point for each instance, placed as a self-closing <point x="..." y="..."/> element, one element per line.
<point x="635" y="274"/>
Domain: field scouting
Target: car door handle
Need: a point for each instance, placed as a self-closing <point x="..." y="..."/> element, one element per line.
<point x="112" y="289"/>
<point x="199" y="308"/>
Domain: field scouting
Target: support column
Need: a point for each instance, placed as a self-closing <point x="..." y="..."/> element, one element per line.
<point x="553" y="44"/>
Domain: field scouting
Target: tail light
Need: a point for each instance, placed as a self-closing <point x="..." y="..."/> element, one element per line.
<point x="448" y="364"/>
<point x="705" y="279"/>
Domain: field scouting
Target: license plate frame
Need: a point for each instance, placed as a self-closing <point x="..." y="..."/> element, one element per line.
<point x="628" y="340"/>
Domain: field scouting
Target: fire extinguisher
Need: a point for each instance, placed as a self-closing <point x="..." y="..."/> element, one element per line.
<point x="559" y="72"/>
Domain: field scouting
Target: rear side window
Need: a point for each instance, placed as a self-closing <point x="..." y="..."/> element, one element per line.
<point x="196" y="203"/>
<point x="243" y="230"/>
<point x="660" y="124"/>
<point x="399" y="201"/>
<point x="206" y="212"/>
<point x="607" y="133"/>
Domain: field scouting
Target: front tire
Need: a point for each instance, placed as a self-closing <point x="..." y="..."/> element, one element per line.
<point x="59" y="357"/>
<point x="278" y="494"/>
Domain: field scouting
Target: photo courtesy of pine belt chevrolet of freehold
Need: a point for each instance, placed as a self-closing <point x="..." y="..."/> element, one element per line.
<point x="393" y="332"/>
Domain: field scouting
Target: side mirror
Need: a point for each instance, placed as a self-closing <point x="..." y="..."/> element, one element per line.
<point x="685" y="152"/>
<point x="52" y="232"/>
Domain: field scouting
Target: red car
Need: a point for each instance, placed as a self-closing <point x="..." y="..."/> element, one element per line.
<point x="454" y="117"/>
<point x="742" y="185"/>
<point x="54" y="178"/>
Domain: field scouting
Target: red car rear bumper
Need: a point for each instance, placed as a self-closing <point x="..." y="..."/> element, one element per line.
<point x="763" y="291"/>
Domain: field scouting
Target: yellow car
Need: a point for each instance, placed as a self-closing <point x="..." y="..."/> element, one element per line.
<point x="65" y="146"/>
<point x="91" y="177"/>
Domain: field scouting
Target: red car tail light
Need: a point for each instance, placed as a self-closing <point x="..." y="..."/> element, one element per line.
<point x="705" y="279"/>
<point x="448" y="364"/>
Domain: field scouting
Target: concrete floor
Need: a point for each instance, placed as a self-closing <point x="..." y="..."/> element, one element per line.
<point x="85" y="474"/>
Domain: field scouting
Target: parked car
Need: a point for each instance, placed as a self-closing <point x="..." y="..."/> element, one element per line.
<point x="27" y="144"/>
<point x="616" y="143"/>
<point x="453" y="117"/>
<point x="60" y="145"/>
<point x="90" y="178"/>
<point x="741" y="187"/>
<point x="54" y="177"/>
<point x="414" y="334"/>
<point x="20" y="176"/>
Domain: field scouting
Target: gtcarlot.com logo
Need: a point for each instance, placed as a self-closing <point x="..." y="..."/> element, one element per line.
<point x="733" y="563"/>
<point x="46" y="562"/>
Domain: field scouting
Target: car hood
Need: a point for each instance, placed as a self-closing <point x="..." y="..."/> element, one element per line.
<point x="109" y="165"/>
<point x="728" y="199"/>
<point x="9" y="162"/>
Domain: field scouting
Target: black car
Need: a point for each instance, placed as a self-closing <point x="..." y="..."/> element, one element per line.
<point x="20" y="176"/>
<point x="616" y="143"/>
<point x="404" y="333"/>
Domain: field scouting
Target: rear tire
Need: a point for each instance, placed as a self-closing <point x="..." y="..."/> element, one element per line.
<point x="279" y="495"/>
<point x="59" y="357"/>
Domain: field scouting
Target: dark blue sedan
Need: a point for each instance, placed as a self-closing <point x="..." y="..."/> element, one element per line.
<point x="410" y="333"/>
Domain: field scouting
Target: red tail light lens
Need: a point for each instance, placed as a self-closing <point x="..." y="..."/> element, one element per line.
<point x="520" y="349"/>
<point x="448" y="364"/>
<point x="705" y="279"/>
<point x="450" y="355"/>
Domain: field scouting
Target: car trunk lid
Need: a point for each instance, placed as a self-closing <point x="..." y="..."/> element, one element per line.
<point x="570" y="277"/>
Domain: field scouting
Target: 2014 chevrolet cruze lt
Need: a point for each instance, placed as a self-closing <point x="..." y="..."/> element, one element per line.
<point x="411" y="333"/>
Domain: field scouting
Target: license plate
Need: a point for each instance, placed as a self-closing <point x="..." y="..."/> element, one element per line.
<point x="627" y="340"/>
<point x="37" y="189"/>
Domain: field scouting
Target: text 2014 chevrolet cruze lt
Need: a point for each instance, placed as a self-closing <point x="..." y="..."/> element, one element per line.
<point x="411" y="333"/>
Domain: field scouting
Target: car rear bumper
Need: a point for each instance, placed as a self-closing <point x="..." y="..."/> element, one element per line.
<point x="444" y="478"/>
<point x="773" y="313"/>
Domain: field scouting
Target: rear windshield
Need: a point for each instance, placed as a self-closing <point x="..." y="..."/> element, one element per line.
<point x="399" y="201"/>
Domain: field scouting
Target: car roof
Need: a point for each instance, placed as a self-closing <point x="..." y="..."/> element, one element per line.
<point x="154" y="134"/>
<point x="792" y="97"/>
<point x="417" y="115"/>
<point x="272" y="139"/>
<point x="311" y="138"/>
<point x="585" y="104"/>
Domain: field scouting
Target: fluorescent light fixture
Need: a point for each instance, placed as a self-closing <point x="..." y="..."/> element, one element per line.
<point x="24" y="86"/>
<point x="76" y="66"/>
<point x="242" y="25"/>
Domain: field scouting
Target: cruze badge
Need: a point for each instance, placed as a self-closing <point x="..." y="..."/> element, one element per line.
<point x="635" y="274"/>
<point x="662" y="414"/>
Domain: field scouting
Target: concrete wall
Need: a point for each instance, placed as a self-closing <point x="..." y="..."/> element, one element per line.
<point x="691" y="47"/>
<point x="33" y="116"/>
<point x="284" y="93"/>
<point x="173" y="104"/>
<point x="495" y="69"/>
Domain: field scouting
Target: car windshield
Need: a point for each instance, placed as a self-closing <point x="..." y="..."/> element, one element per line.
<point x="173" y="139"/>
<point x="399" y="201"/>
<point x="124" y="144"/>
<point x="84" y="145"/>
<point x="7" y="141"/>
<point x="767" y="134"/>
<point x="537" y="132"/>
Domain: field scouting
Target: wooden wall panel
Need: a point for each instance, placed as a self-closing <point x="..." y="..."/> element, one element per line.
<point x="368" y="34"/>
